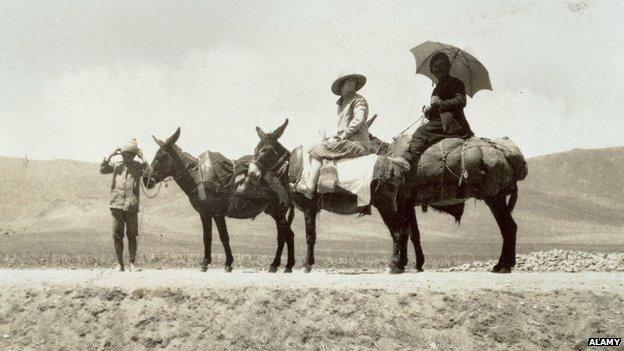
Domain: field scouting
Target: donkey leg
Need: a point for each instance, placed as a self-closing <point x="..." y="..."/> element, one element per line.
<point x="310" y="224"/>
<point x="403" y="240"/>
<point x="290" y="242"/>
<point x="287" y="237"/>
<point x="415" y="238"/>
<point x="404" y="222"/>
<point x="508" y="228"/>
<point x="392" y="221"/>
<point x="207" y="228"/>
<point x="225" y="240"/>
<point x="281" y="240"/>
<point x="278" y="253"/>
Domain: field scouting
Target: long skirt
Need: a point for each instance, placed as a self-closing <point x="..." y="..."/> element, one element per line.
<point x="334" y="150"/>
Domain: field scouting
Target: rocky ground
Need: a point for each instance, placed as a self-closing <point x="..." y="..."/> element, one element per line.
<point x="555" y="261"/>
<point x="188" y="310"/>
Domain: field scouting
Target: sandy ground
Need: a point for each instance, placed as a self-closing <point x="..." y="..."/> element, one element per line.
<point x="50" y="309"/>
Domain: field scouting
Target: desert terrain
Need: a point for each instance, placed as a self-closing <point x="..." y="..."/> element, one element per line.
<point x="55" y="214"/>
<point x="58" y="291"/>
<point x="190" y="310"/>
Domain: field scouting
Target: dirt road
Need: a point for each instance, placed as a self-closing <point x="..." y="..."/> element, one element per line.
<point x="52" y="309"/>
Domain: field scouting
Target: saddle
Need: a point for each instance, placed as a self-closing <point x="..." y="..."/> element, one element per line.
<point x="328" y="177"/>
<point x="220" y="174"/>
<point x="349" y="176"/>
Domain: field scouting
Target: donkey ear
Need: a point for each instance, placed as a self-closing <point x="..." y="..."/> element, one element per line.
<point x="158" y="141"/>
<point x="261" y="133"/>
<point x="172" y="139"/>
<point x="276" y="134"/>
<point x="370" y="121"/>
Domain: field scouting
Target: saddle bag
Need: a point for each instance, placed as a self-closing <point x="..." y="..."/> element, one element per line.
<point x="513" y="155"/>
<point x="328" y="177"/>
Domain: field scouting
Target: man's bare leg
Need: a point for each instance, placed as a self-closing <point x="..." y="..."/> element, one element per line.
<point x="119" y="252"/>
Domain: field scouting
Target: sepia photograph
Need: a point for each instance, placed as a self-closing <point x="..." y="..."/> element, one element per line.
<point x="311" y="175"/>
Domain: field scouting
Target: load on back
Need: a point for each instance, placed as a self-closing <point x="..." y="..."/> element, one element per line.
<point x="454" y="169"/>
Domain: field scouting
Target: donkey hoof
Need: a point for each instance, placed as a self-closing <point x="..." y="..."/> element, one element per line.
<point x="203" y="268"/>
<point x="228" y="269"/>
<point x="395" y="270"/>
<point x="496" y="268"/>
<point x="504" y="270"/>
<point x="307" y="268"/>
<point x="272" y="269"/>
<point x="419" y="270"/>
<point x="288" y="270"/>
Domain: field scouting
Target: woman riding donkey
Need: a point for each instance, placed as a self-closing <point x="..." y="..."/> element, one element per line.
<point x="445" y="114"/>
<point x="352" y="138"/>
<point x="394" y="202"/>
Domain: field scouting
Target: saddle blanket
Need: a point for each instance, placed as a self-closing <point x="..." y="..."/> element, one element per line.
<point x="354" y="175"/>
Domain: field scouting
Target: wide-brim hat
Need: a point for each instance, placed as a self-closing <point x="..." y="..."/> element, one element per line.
<point x="131" y="147"/>
<point x="336" y="86"/>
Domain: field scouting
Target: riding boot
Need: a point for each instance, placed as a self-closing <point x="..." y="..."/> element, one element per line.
<point x="309" y="188"/>
<point x="401" y="162"/>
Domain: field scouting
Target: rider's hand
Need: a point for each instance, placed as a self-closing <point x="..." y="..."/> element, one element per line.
<point x="427" y="111"/>
<point x="435" y="102"/>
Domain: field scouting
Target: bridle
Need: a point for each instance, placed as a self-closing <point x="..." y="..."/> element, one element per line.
<point x="182" y="174"/>
<point x="280" y="167"/>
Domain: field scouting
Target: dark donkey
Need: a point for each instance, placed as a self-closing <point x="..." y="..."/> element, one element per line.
<point x="396" y="209"/>
<point x="170" y="160"/>
<point x="270" y="155"/>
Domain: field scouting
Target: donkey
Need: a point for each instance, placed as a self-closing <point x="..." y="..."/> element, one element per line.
<point x="270" y="155"/>
<point x="170" y="160"/>
<point x="395" y="202"/>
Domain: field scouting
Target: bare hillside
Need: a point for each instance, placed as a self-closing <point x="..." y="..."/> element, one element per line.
<point x="572" y="200"/>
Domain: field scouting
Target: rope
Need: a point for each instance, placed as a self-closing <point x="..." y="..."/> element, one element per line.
<point x="149" y="177"/>
<point x="411" y="125"/>
<point x="444" y="166"/>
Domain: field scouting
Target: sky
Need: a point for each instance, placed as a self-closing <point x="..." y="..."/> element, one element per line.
<point x="79" y="79"/>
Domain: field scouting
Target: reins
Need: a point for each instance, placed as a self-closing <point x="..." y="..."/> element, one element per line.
<point x="149" y="178"/>
<point x="411" y="125"/>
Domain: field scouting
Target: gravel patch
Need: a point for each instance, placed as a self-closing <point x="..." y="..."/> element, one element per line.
<point x="555" y="261"/>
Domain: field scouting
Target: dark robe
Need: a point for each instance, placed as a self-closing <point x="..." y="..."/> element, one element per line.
<point x="447" y="121"/>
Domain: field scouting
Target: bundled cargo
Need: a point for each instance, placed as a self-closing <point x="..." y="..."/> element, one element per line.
<point x="455" y="168"/>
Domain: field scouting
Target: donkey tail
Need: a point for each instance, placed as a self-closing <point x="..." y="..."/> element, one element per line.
<point x="291" y="213"/>
<point x="513" y="197"/>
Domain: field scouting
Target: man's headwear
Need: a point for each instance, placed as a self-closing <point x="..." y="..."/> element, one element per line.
<point x="131" y="147"/>
<point x="336" y="86"/>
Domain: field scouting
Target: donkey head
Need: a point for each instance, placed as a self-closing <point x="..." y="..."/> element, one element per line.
<point x="164" y="164"/>
<point x="269" y="154"/>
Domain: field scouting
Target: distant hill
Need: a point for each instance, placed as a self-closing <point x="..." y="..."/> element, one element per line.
<point x="578" y="184"/>
<point x="565" y="194"/>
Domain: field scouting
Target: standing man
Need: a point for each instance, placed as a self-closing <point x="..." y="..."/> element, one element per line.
<point x="124" y="203"/>
<point x="445" y="114"/>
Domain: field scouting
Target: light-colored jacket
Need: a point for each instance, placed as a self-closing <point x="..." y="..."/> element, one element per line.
<point x="352" y="115"/>
<point x="125" y="186"/>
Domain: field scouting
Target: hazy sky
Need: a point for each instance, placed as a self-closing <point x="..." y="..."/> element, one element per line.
<point x="77" y="79"/>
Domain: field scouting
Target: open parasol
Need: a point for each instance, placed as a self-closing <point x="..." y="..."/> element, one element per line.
<point x="464" y="66"/>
